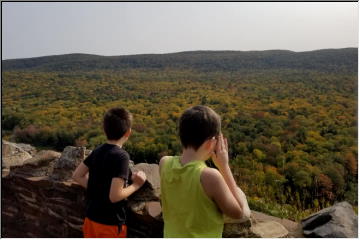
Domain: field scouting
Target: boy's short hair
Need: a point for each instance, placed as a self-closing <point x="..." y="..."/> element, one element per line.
<point x="116" y="122"/>
<point x="198" y="124"/>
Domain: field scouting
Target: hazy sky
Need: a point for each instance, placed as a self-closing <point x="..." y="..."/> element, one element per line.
<point x="40" y="29"/>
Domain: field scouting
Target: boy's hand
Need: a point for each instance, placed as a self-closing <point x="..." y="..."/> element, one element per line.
<point x="220" y="156"/>
<point x="138" y="178"/>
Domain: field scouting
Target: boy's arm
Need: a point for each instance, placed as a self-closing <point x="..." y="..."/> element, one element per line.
<point x="238" y="194"/>
<point x="117" y="190"/>
<point x="216" y="188"/>
<point x="221" y="159"/>
<point x="80" y="175"/>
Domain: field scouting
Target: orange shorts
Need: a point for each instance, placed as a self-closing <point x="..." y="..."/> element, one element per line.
<point x="93" y="229"/>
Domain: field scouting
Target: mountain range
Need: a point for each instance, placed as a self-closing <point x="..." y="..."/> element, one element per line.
<point x="325" y="60"/>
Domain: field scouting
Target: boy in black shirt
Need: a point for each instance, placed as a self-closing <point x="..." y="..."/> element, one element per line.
<point x="106" y="183"/>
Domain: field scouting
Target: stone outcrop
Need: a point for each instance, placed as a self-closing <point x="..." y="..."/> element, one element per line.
<point x="42" y="164"/>
<point x="269" y="229"/>
<point x="144" y="204"/>
<point x="261" y="225"/>
<point x="27" y="148"/>
<point x="151" y="189"/>
<point x="70" y="158"/>
<point x="39" y="199"/>
<point x="39" y="207"/>
<point x="237" y="229"/>
<point x="294" y="228"/>
<point x="13" y="155"/>
<point x="338" y="221"/>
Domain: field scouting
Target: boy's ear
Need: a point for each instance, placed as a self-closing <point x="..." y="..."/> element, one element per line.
<point x="128" y="133"/>
<point x="213" y="142"/>
<point x="210" y="143"/>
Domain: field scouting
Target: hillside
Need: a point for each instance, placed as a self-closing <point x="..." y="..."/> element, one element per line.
<point x="329" y="60"/>
<point x="291" y="118"/>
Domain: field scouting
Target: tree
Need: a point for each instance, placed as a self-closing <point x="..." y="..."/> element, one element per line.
<point x="259" y="154"/>
<point x="351" y="163"/>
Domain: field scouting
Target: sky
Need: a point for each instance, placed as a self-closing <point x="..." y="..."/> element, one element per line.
<point x="111" y="29"/>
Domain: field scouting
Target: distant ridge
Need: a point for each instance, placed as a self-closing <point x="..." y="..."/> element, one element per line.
<point x="329" y="60"/>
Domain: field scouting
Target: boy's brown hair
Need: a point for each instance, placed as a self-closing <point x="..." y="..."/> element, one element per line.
<point x="116" y="122"/>
<point x="198" y="124"/>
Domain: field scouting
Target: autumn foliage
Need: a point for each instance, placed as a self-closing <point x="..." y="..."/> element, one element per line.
<point x="292" y="133"/>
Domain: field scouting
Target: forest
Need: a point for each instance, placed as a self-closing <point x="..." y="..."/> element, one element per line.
<point x="291" y="118"/>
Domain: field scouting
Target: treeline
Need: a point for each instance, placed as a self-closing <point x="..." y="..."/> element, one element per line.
<point x="292" y="133"/>
<point x="328" y="60"/>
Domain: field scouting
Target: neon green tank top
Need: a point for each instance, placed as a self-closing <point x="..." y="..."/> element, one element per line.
<point x="187" y="210"/>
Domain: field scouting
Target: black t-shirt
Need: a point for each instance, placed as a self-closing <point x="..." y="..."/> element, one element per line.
<point x="106" y="162"/>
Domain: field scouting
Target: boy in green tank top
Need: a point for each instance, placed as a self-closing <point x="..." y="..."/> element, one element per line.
<point x="194" y="197"/>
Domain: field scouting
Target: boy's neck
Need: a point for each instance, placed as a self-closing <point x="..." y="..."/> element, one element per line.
<point x="190" y="155"/>
<point x="119" y="142"/>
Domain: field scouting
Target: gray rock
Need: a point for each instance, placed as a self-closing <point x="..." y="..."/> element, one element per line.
<point x="270" y="229"/>
<point x="27" y="148"/>
<point x="255" y="227"/>
<point x="87" y="152"/>
<point x="70" y="158"/>
<point x="42" y="158"/>
<point x="42" y="164"/>
<point x="144" y="205"/>
<point x="151" y="209"/>
<point x="13" y="155"/>
<point x="145" y="219"/>
<point x="294" y="228"/>
<point x="233" y="229"/>
<point x="338" y="221"/>
<point x="150" y="191"/>
<point x="131" y="164"/>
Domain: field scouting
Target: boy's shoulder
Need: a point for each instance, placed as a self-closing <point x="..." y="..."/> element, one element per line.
<point x="210" y="174"/>
<point x="165" y="159"/>
<point x="111" y="150"/>
<point x="210" y="180"/>
<point x="119" y="152"/>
